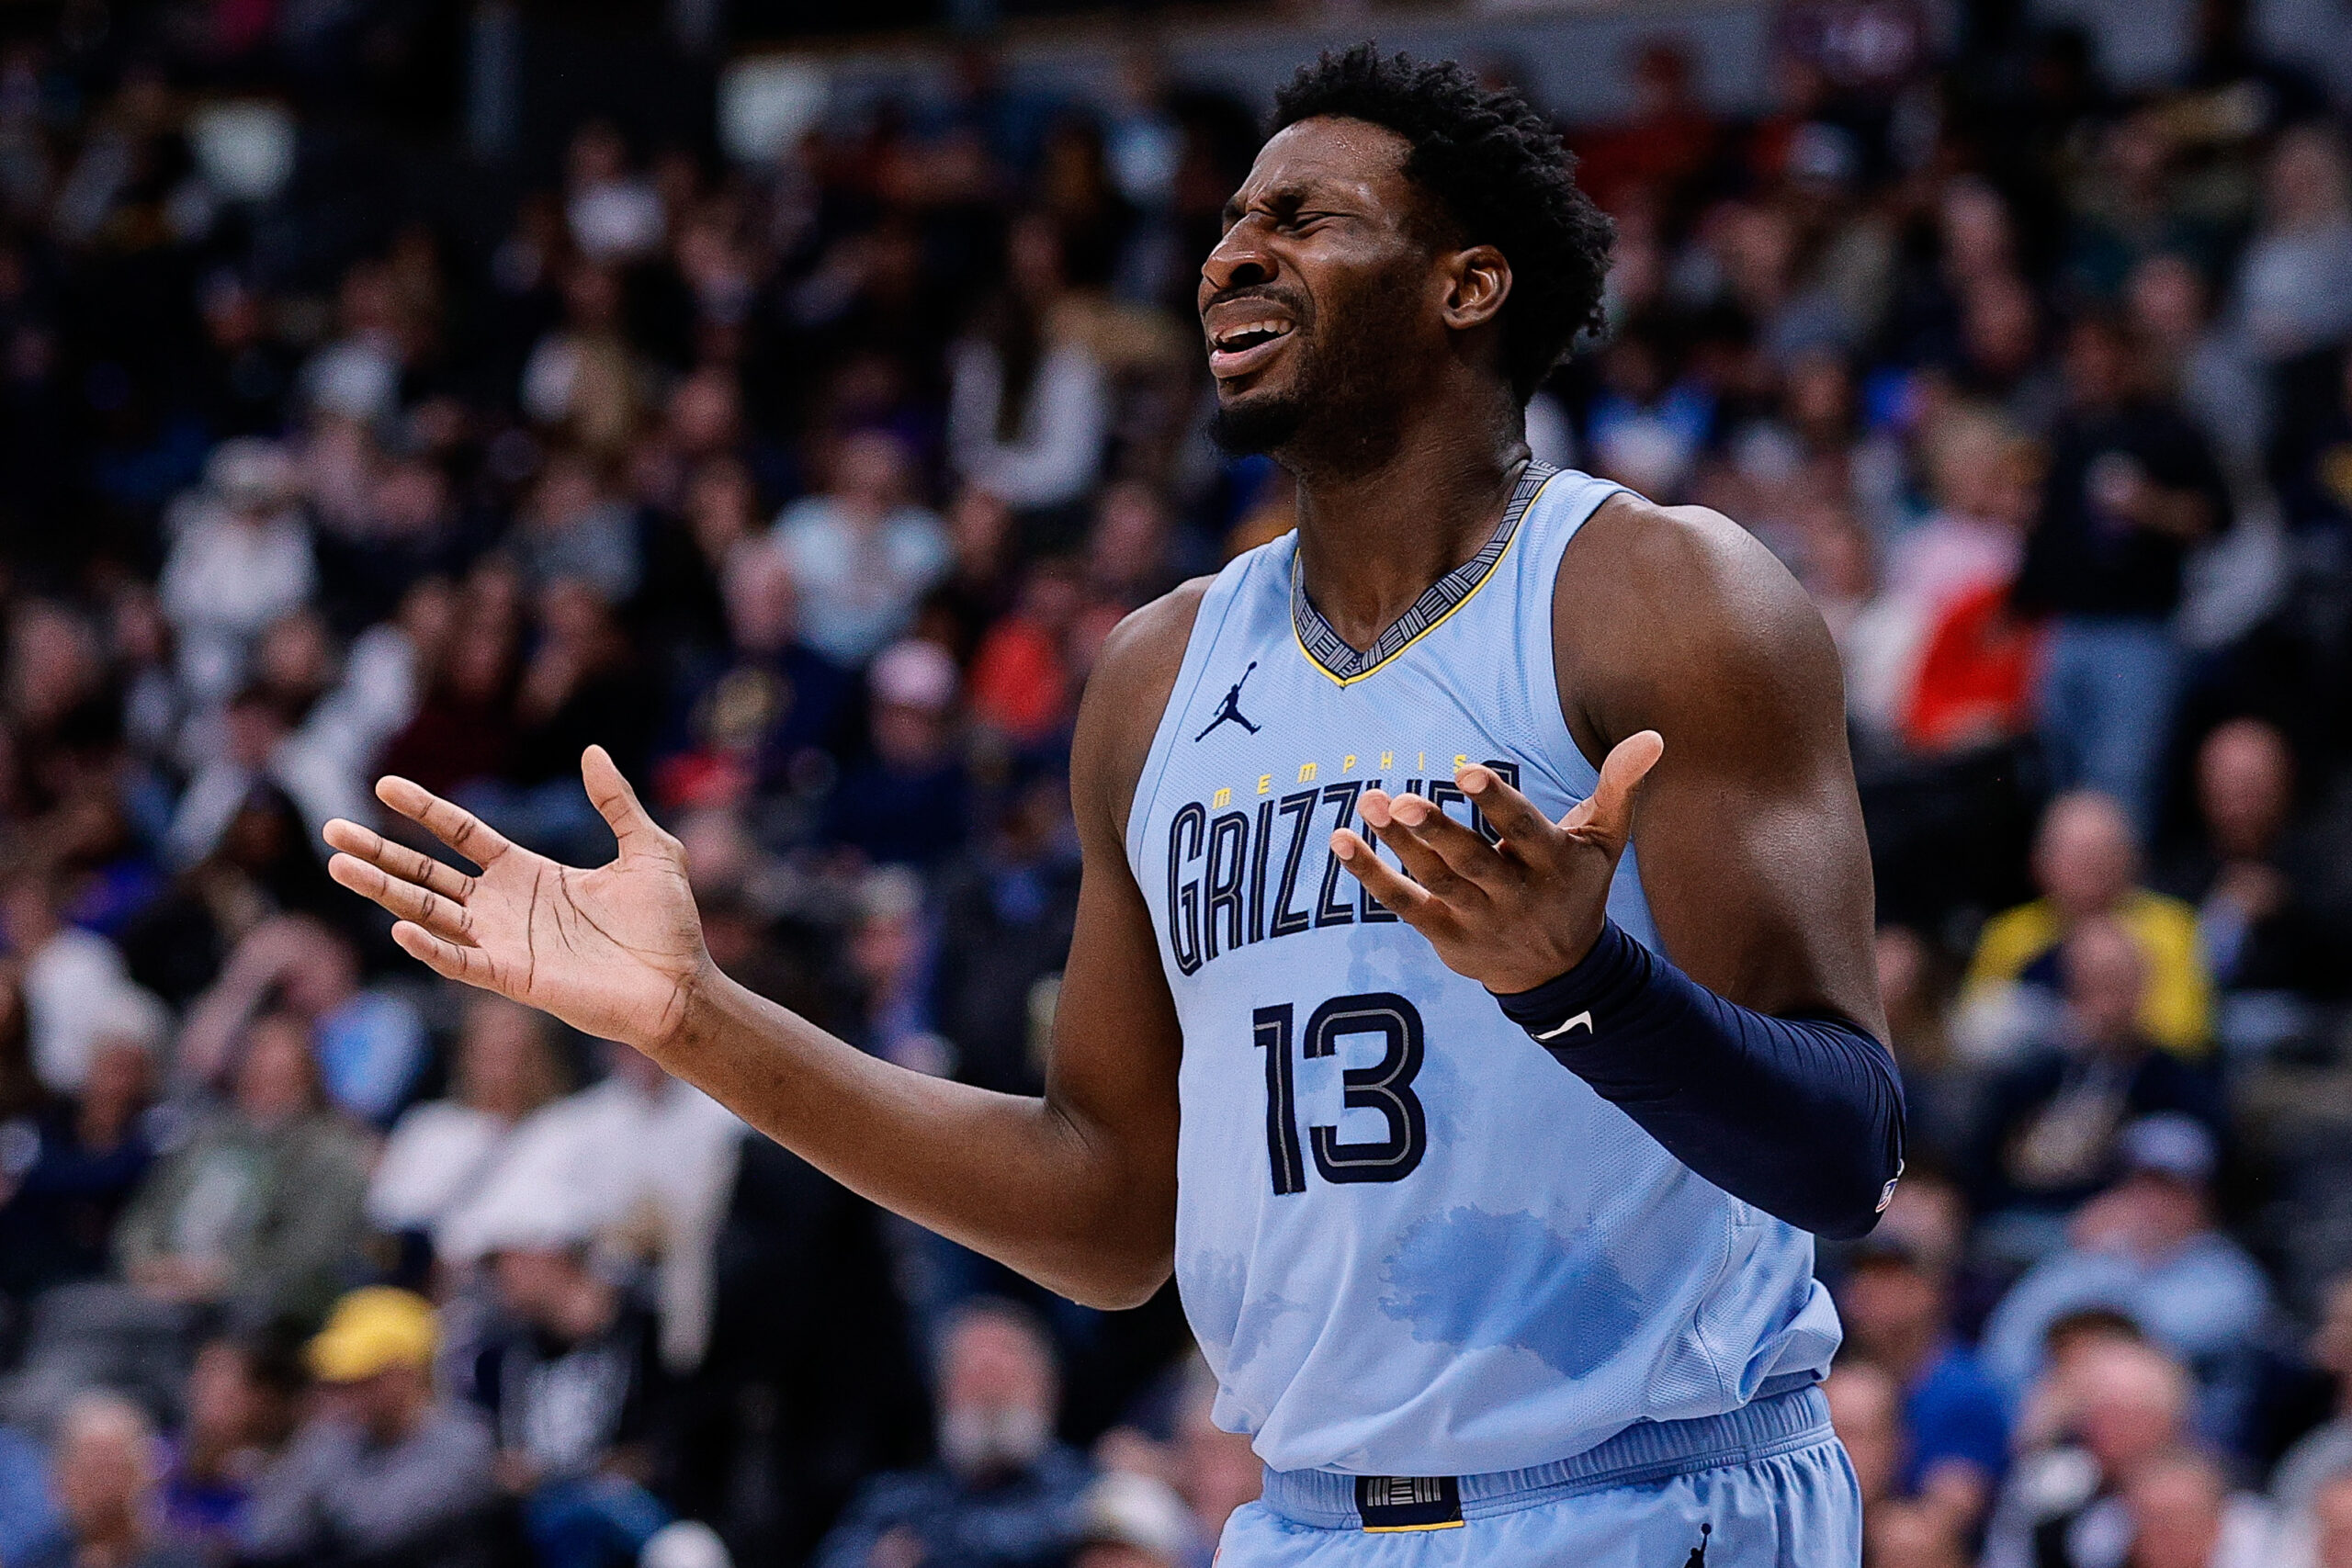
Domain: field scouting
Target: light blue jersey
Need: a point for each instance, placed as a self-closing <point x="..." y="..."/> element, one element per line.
<point x="1411" y="1244"/>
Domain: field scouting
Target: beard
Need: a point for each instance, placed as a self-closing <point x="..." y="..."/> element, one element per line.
<point x="1252" y="427"/>
<point x="1342" y="406"/>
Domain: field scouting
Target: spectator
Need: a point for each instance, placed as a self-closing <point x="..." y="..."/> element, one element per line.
<point x="1002" y="1493"/>
<point x="388" y="1474"/>
<point x="1028" y="405"/>
<point x="715" y="513"/>
<point x="616" y="216"/>
<point x="1952" y="1432"/>
<point x="2183" y="1514"/>
<point x="462" y="731"/>
<point x="2295" y="286"/>
<point x="2050" y="1130"/>
<point x="910" y="803"/>
<point x="106" y="1492"/>
<point x="583" y="685"/>
<point x="892" y="959"/>
<point x="369" y="1042"/>
<point x="69" y="1169"/>
<point x="2086" y="868"/>
<point x="261" y="865"/>
<point x="2264" y="926"/>
<point x="640" y="1160"/>
<point x="2201" y="365"/>
<point x="861" y="553"/>
<point x="570" y="1376"/>
<point x="2132" y="485"/>
<point x="574" y="528"/>
<point x="1963" y="662"/>
<point x="1021" y="683"/>
<point x="240" y="1401"/>
<point x="259" y="1210"/>
<point x="1133" y="554"/>
<point x="2110" y="1408"/>
<point x="583" y="383"/>
<point x="1005" y="917"/>
<point x="446" y="1149"/>
<point x="241" y="558"/>
<point x="77" y="990"/>
<point x="2322" y="1457"/>
<point x="2147" y="1247"/>
<point x="773" y="709"/>
<point x="357" y="377"/>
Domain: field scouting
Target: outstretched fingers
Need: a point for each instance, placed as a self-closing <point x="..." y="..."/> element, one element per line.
<point x="448" y="959"/>
<point x="443" y="916"/>
<point x="1443" y="856"/>
<point x="1395" y="892"/>
<point x="610" y="791"/>
<point x="1606" y="815"/>
<point x="453" y="825"/>
<point x="1523" y="829"/>
<point x="397" y="860"/>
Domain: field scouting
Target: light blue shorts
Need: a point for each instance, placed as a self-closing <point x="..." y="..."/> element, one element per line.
<point x="1764" y="1486"/>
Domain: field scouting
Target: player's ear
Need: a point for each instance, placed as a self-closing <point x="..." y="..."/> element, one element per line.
<point x="1479" y="281"/>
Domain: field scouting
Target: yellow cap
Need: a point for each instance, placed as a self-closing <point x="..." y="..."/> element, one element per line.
<point x="373" y="1330"/>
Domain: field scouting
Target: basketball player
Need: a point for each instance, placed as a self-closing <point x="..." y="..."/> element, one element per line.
<point x="1482" y="1130"/>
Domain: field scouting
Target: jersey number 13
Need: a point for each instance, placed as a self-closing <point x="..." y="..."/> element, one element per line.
<point x="1387" y="1087"/>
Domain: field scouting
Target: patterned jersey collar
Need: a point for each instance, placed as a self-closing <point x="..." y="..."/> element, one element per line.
<point x="1344" y="663"/>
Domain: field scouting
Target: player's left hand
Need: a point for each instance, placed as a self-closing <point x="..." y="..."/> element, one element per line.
<point x="1525" y="909"/>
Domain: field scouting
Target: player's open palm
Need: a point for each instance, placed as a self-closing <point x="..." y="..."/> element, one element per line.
<point x="1517" y="912"/>
<point x="615" y="952"/>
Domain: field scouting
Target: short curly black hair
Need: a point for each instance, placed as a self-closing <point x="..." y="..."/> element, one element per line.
<point x="1499" y="168"/>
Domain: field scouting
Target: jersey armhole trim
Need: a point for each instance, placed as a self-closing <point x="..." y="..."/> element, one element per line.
<point x="1548" y="556"/>
<point x="1197" y="644"/>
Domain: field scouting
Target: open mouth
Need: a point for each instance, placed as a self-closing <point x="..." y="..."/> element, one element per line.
<point x="1240" y="346"/>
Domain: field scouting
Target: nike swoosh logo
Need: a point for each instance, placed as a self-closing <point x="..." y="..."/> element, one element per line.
<point x="1582" y="1021"/>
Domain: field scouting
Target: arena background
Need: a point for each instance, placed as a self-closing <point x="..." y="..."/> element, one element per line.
<point x="790" y="397"/>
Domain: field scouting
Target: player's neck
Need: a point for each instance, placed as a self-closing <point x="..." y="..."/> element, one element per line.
<point x="1372" y="540"/>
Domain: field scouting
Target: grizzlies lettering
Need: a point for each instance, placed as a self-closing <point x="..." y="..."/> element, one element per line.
<point x="1238" y="877"/>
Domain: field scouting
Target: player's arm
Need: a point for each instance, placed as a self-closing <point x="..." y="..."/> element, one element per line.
<point x="1075" y="1188"/>
<point x="1694" y="666"/>
<point x="1750" y="834"/>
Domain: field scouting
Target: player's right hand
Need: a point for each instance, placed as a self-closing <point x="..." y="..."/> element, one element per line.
<point x="615" y="952"/>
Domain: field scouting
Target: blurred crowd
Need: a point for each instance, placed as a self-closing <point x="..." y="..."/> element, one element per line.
<point x="811" y="489"/>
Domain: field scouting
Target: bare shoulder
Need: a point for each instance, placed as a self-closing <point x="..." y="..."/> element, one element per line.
<point x="1692" y="559"/>
<point x="1664" y="607"/>
<point x="1126" y="696"/>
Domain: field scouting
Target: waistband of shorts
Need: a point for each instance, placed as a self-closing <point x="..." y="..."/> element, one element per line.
<point x="1647" y="1451"/>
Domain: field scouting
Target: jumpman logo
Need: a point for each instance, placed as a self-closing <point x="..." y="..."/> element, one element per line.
<point x="1698" y="1553"/>
<point x="1231" y="708"/>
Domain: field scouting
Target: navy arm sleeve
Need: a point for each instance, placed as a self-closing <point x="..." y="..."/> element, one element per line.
<point x="1802" y="1117"/>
